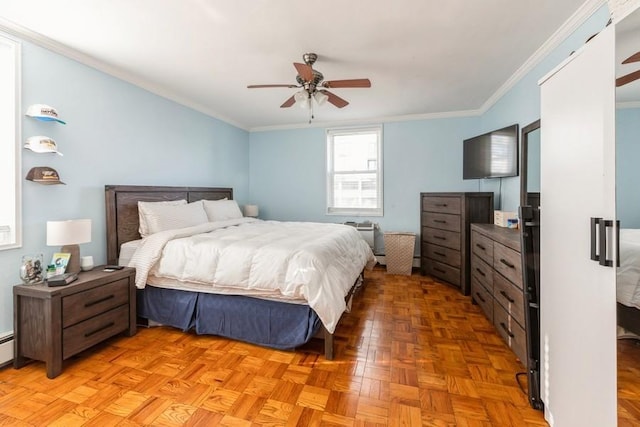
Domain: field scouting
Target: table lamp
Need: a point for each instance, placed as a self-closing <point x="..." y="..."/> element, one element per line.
<point x="69" y="234"/>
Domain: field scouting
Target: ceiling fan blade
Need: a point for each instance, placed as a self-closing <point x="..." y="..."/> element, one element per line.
<point x="331" y="84"/>
<point x="621" y="81"/>
<point x="305" y="71"/>
<point x="335" y="99"/>
<point x="633" y="58"/>
<point x="260" y="86"/>
<point x="289" y="102"/>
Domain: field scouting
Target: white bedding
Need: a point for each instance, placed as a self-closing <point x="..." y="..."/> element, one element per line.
<point x="628" y="274"/>
<point x="315" y="263"/>
<point x="127" y="250"/>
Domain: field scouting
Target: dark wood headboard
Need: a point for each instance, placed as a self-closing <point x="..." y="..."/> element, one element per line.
<point x="121" y="202"/>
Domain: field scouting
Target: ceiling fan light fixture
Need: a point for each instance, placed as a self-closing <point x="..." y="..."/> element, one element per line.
<point x="301" y="96"/>
<point x="320" y="98"/>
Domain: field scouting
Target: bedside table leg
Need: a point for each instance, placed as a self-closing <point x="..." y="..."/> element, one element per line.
<point x="18" y="360"/>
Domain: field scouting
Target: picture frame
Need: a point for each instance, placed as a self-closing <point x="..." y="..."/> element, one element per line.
<point x="60" y="261"/>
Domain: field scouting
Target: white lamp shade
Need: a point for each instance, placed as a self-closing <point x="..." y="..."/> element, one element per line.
<point x="71" y="232"/>
<point x="320" y="97"/>
<point x="251" y="210"/>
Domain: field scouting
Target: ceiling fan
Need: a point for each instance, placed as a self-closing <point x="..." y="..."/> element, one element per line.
<point x="628" y="78"/>
<point x="313" y="86"/>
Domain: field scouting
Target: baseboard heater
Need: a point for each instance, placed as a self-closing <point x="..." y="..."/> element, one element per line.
<point x="6" y="348"/>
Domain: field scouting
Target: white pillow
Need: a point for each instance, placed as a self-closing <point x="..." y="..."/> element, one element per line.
<point x="219" y="210"/>
<point x="169" y="217"/>
<point x="145" y="208"/>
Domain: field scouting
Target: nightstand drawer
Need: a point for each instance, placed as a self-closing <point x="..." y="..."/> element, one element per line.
<point x="510" y="331"/>
<point x="482" y="246"/>
<point x="442" y="254"/>
<point x="507" y="262"/>
<point x="83" y="305"/>
<point x="90" y="332"/>
<point x="448" y="239"/>
<point x="509" y="297"/>
<point x="441" y="221"/>
<point x="482" y="272"/>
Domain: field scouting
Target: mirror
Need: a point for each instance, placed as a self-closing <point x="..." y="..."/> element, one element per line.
<point x="628" y="207"/>
<point x="530" y="165"/>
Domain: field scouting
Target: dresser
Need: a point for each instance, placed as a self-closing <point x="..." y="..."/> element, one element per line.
<point x="444" y="239"/>
<point x="52" y="324"/>
<point x="496" y="282"/>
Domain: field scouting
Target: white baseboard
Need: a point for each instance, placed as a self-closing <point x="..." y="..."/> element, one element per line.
<point x="6" y="348"/>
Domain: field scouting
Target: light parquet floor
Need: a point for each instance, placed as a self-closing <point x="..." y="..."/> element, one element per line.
<point x="412" y="352"/>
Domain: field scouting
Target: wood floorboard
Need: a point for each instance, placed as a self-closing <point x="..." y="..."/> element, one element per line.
<point x="412" y="352"/>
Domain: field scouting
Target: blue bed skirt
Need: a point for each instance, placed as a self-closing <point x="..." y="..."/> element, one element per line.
<point x="272" y="324"/>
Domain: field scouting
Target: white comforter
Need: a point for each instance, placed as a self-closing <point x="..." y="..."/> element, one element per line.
<point x="299" y="261"/>
<point x="628" y="274"/>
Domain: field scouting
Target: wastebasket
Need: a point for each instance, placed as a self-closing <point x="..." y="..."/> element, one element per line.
<point x="398" y="248"/>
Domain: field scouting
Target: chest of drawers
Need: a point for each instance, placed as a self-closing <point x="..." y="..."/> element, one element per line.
<point x="444" y="233"/>
<point x="496" y="282"/>
<point x="53" y="324"/>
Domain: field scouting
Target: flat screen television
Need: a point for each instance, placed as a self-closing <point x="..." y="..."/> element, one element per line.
<point x="491" y="155"/>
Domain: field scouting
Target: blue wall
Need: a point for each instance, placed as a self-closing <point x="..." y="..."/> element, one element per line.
<point x="627" y="168"/>
<point x="116" y="133"/>
<point x="288" y="166"/>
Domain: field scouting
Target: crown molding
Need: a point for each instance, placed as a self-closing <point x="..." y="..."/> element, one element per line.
<point x="38" y="39"/>
<point x="587" y="9"/>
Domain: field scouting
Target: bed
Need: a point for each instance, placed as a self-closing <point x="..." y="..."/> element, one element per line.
<point x="284" y="316"/>
<point x="628" y="281"/>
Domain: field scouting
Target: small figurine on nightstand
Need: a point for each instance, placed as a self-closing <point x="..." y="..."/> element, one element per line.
<point x="31" y="269"/>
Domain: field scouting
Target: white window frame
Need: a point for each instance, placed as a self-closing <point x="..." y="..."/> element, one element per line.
<point x="10" y="147"/>
<point x="331" y="210"/>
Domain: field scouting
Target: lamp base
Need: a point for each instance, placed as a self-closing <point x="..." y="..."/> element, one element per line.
<point x="74" y="261"/>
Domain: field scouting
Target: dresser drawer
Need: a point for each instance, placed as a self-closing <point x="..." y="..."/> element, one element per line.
<point x="442" y="254"/>
<point x="507" y="262"/>
<point x="509" y="297"/>
<point x="441" y="221"/>
<point x="482" y="246"/>
<point x="94" y="330"/>
<point x="448" y="239"/>
<point x="511" y="332"/>
<point x="442" y="271"/>
<point x="86" y="304"/>
<point x="483" y="297"/>
<point x="483" y="272"/>
<point x="442" y="204"/>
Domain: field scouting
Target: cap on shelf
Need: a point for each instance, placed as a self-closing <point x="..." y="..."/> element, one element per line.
<point x="44" y="175"/>
<point x="42" y="144"/>
<point x="44" y="112"/>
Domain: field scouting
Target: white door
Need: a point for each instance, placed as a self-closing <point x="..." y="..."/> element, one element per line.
<point x="577" y="182"/>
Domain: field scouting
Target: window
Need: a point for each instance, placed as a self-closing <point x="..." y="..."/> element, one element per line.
<point x="354" y="171"/>
<point x="10" y="180"/>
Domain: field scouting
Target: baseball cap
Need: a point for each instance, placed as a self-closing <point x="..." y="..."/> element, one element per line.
<point x="44" y="175"/>
<point x="42" y="144"/>
<point x="43" y="112"/>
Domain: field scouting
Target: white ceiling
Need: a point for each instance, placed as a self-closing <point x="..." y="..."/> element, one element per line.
<point x="423" y="57"/>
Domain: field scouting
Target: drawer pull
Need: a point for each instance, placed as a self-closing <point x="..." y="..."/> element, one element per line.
<point x="439" y="270"/>
<point x="102" y="328"/>
<point x="442" y="205"/>
<point x="507" y="263"/>
<point x="440" y="221"/>
<point x="439" y="254"/>
<point x="480" y="297"/>
<point x="480" y="271"/>
<point x="507" y="330"/>
<point x="439" y="237"/>
<point x="481" y="246"/>
<point x="507" y="297"/>
<point x="98" y="301"/>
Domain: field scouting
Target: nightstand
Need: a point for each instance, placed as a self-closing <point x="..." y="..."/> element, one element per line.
<point x="53" y="324"/>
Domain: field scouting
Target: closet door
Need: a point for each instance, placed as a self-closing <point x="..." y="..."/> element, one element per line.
<point x="577" y="295"/>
